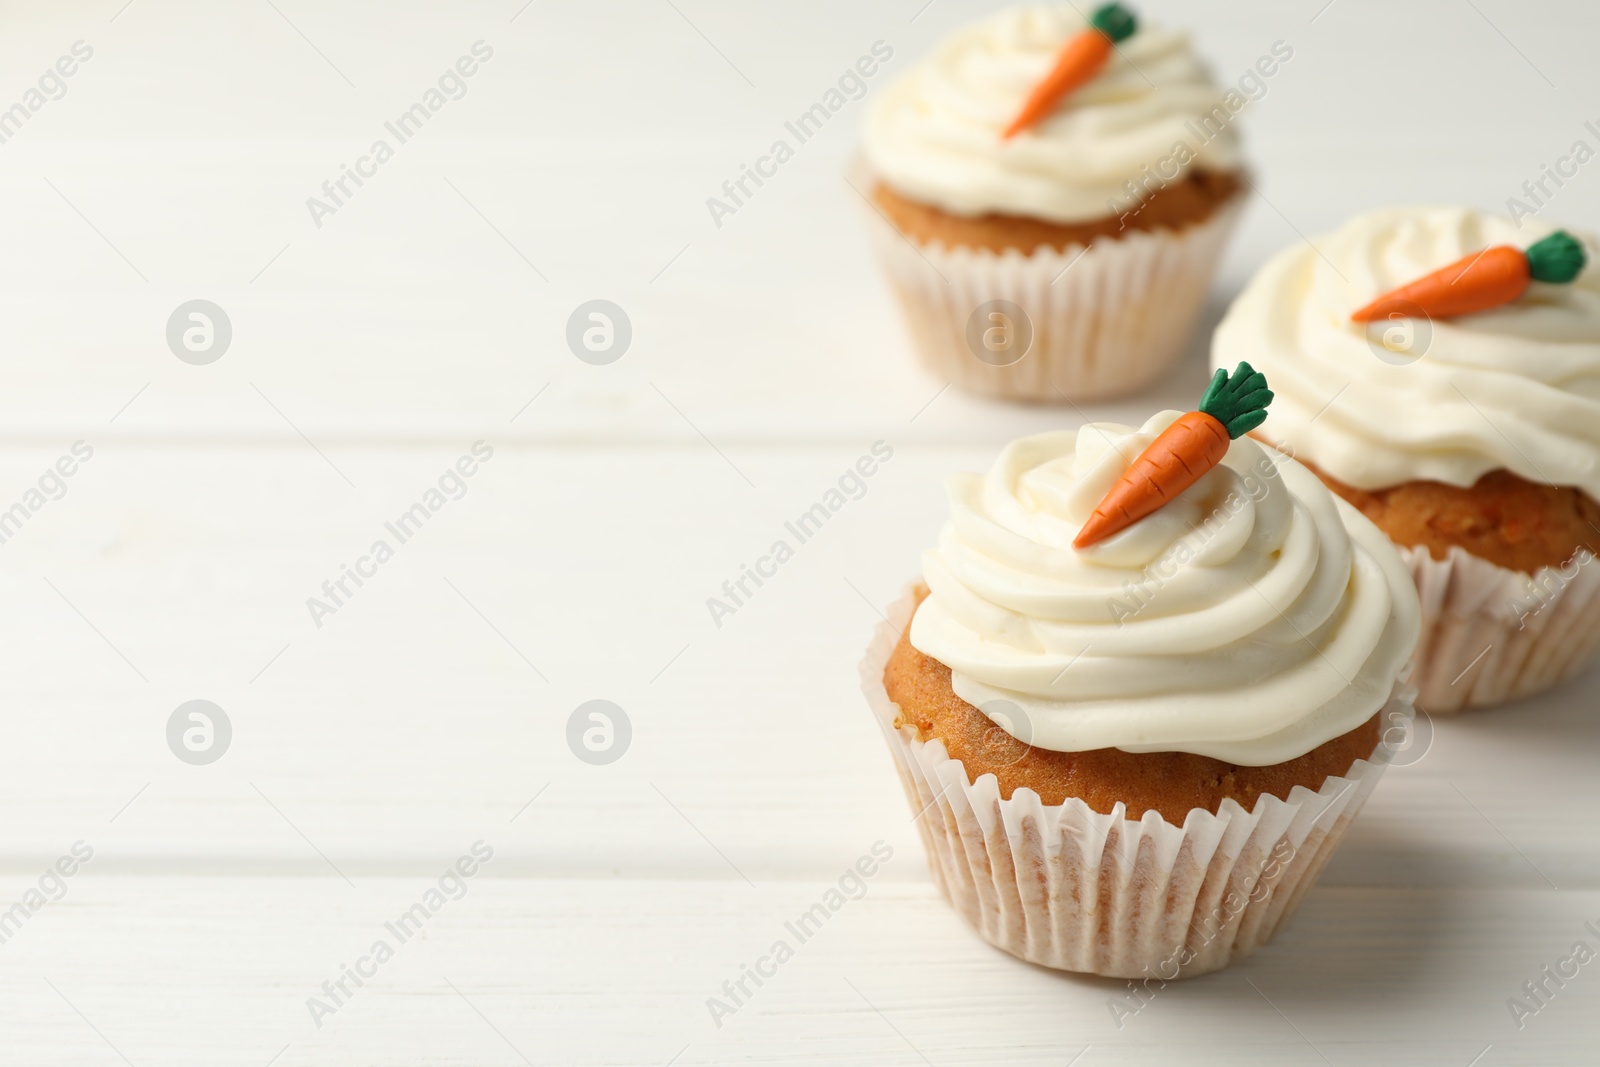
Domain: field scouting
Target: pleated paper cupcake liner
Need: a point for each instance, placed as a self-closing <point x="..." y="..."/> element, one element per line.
<point x="1105" y="319"/>
<point x="1067" y="887"/>
<point x="1491" y="634"/>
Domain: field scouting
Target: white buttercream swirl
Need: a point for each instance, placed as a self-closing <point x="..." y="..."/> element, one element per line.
<point x="1251" y="619"/>
<point x="934" y="135"/>
<point x="1517" y="387"/>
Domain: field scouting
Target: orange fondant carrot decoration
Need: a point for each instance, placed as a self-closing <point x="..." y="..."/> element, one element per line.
<point x="1483" y="280"/>
<point x="1079" y="60"/>
<point x="1186" y="450"/>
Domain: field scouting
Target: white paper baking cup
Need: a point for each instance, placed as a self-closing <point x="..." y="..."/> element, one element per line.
<point x="1491" y="634"/>
<point x="1106" y="319"/>
<point x="1066" y="887"/>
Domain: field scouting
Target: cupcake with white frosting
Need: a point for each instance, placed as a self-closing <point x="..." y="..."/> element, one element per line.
<point x="1468" y="430"/>
<point x="1069" y="257"/>
<point x="1133" y="758"/>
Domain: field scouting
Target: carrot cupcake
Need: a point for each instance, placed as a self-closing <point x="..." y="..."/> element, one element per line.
<point x="1052" y="195"/>
<point x="1144" y="689"/>
<point x="1439" y="368"/>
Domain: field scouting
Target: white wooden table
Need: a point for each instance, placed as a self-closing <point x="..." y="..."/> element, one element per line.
<point x="430" y="711"/>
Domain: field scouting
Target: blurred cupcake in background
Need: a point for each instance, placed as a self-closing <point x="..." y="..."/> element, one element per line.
<point x="1152" y="675"/>
<point x="1439" y="368"/>
<point x="1052" y="196"/>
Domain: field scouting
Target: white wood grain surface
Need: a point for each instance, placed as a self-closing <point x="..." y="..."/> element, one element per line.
<point x="430" y="711"/>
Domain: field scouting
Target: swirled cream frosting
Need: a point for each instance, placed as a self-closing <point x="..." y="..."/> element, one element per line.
<point x="1251" y="619"/>
<point x="1447" y="400"/>
<point x="934" y="135"/>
